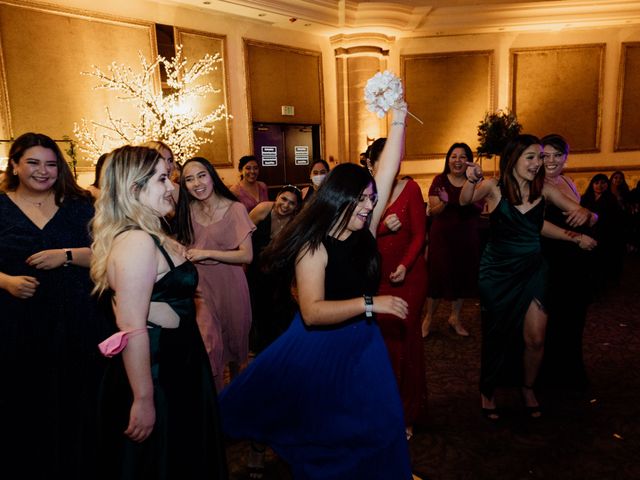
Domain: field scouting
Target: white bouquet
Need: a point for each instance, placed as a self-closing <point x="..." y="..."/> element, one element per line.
<point x="383" y="92"/>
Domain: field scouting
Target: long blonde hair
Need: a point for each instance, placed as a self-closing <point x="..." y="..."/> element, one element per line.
<point x="125" y="174"/>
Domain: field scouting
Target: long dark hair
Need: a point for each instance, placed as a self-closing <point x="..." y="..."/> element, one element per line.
<point x="589" y="197"/>
<point x="184" y="227"/>
<point x="465" y="147"/>
<point x="98" y="173"/>
<point x="329" y="210"/>
<point x="508" y="160"/>
<point x="65" y="185"/>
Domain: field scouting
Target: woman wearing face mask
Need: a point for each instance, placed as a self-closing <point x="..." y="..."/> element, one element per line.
<point x="158" y="411"/>
<point x="318" y="172"/>
<point x="513" y="274"/>
<point x="270" y="318"/>
<point x="217" y="231"/>
<point x="249" y="190"/>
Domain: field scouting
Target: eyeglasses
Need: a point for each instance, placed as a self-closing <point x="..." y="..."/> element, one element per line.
<point x="372" y="197"/>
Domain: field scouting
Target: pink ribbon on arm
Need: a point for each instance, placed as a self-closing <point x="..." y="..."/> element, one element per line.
<point x="116" y="342"/>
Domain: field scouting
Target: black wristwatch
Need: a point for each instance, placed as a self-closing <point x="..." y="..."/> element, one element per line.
<point x="368" y="305"/>
<point x="69" y="254"/>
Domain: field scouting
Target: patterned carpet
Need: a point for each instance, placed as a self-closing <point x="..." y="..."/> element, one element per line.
<point x="590" y="435"/>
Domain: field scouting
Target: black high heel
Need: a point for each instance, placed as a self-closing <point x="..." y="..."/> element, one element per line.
<point x="491" y="414"/>
<point x="534" y="412"/>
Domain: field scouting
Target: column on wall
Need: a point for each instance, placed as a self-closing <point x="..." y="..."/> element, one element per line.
<point x="357" y="60"/>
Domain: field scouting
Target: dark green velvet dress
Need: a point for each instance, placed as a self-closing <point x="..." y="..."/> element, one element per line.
<point x="186" y="441"/>
<point x="513" y="273"/>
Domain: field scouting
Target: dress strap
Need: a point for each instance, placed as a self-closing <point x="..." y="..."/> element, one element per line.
<point x="156" y="240"/>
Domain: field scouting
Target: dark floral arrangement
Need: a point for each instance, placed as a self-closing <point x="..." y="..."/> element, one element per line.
<point x="495" y="131"/>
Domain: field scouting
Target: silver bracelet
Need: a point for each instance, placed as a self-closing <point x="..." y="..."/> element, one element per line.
<point x="404" y="124"/>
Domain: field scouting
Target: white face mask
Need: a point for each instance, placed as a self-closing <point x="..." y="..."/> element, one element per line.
<point x="318" y="179"/>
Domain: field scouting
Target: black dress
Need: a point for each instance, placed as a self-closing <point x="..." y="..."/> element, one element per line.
<point x="49" y="364"/>
<point x="271" y="313"/>
<point x="568" y="286"/>
<point x="186" y="442"/>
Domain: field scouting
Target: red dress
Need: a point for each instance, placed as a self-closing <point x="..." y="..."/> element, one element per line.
<point x="403" y="337"/>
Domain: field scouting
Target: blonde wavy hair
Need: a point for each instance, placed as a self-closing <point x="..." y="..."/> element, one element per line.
<point x="125" y="175"/>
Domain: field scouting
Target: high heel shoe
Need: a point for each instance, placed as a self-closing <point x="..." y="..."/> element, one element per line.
<point x="459" y="329"/>
<point x="533" y="411"/>
<point x="490" y="414"/>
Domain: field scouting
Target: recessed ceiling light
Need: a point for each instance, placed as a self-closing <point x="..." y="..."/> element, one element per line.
<point x="262" y="14"/>
<point x="307" y="24"/>
<point x="206" y="3"/>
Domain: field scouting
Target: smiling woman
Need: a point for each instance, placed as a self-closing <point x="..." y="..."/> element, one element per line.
<point x="216" y="229"/>
<point x="50" y="324"/>
<point x="513" y="273"/>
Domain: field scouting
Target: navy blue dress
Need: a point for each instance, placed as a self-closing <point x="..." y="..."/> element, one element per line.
<point x="325" y="398"/>
<point x="49" y="364"/>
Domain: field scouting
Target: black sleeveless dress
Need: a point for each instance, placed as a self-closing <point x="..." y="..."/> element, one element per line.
<point x="570" y="275"/>
<point x="325" y="398"/>
<point x="186" y="442"/>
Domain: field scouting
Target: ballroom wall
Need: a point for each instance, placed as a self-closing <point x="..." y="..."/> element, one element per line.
<point x="344" y="62"/>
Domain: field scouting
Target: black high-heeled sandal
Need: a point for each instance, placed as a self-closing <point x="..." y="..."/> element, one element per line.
<point x="255" y="463"/>
<point x="533" y="412"/>
<point x="491" y="414"/>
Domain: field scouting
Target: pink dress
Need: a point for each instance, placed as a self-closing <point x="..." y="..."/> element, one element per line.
<point x="247" y="199"/>
<point x="223" y="307"/>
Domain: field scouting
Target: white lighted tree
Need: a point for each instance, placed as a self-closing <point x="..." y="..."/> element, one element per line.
<point x="166" y="116"/>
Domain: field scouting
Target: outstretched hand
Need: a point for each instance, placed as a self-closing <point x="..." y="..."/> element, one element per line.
<point x="392" y="305"/>
<point x="577" y="217"/>
<point x="474" y="172"/>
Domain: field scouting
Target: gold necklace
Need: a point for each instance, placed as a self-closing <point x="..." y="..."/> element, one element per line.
<point x="37" y="204"/>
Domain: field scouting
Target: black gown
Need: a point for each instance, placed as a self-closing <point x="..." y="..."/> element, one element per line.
<point x="186" y="441"/>
<point x="50" y="367"/>
<point x="568" y="298"/>
<point x="513" y="273"/>
<point x="271" y="313"/>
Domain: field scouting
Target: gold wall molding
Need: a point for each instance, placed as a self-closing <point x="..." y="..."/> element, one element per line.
<point x="450" y="92"/>
<point x="220" y="151"/>
<point x="627" y="117"/>
<point x="560" y="89"/>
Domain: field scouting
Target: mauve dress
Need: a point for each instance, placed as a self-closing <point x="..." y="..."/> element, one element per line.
<point x="223" y="306"/>
<point x="454" y="246"/>
<point x="247" y="199"/>
<point x="403" y="337"/>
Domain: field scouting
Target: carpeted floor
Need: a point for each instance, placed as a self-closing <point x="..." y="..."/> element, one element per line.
<point x="590" y="435"/>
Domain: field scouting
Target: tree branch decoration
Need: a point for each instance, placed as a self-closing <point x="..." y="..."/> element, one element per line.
<point x="495" y="131"/>
<point x="164" y="116"/>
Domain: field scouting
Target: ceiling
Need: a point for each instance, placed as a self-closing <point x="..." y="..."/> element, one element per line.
<point x="419" y="18"/>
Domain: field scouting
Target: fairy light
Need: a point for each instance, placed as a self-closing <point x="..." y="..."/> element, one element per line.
<point x="165" y="116"/>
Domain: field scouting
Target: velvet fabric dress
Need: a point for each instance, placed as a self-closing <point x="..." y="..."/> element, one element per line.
<point x="570" y="274"/>
<point x="513" y="273"/>
<point x="49" y="364"/>
<point x="247" y="199"/>
<point x="403" y="337"/>
<point x="454" y="246"/>
<point x="223" y="305"/>
<point x="325" y="398"/>
<point x="186" y="441"/>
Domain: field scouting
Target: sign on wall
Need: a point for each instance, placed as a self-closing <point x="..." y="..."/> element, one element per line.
<point x="301" y="154"/>
<point x="269" y="156"/>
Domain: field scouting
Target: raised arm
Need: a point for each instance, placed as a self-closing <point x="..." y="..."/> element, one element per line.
<point x="132" y="269"/>
<point x="260" y="212"/>
<point x="475" y="188"/>
<point x="389" y="163"/>
<point x="315" y="310"/>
